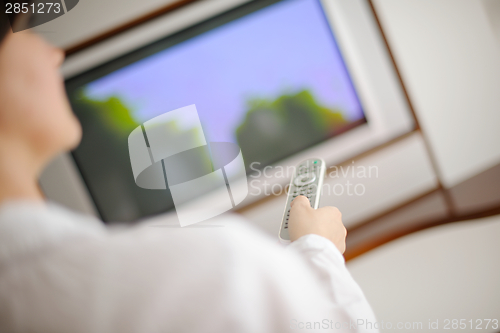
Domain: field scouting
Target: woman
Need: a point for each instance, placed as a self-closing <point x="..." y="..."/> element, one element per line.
<point x="64" y="272"/>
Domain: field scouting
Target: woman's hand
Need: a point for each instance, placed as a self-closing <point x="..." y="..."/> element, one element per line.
<point x="326" y="222"/>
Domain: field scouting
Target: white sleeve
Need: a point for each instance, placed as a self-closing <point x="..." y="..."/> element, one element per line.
<point x="328" y="264"/>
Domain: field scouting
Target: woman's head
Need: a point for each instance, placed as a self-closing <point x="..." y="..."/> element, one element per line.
<point x="35" y="116"/>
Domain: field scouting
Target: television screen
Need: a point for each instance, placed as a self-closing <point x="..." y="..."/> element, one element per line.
<point x="268" y="76"/>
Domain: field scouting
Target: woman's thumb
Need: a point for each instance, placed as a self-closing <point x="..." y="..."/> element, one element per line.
<point x="300" y="201"/>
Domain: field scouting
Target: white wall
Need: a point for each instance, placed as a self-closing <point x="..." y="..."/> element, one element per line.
<point x="449" y="58"/>
<point x="447" y="272"/>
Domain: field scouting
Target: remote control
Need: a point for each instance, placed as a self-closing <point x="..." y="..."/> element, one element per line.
<point x="307" y="180"/>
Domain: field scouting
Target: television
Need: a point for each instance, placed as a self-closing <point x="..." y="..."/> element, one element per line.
<point x="283" y="79"/>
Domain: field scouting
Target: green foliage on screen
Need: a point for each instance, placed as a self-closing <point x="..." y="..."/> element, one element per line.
<point x="103" y="151"/>
<point x="275" y="129"/>
<point x="112" y="112"/>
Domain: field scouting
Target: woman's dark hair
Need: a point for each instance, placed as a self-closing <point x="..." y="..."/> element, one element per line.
<point x="4" y="21"/>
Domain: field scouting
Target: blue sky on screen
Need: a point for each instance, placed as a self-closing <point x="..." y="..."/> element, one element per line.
<point x="283" y="48"/>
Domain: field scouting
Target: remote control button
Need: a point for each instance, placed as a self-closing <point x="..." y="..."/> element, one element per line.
<point x="304" y="179"/>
